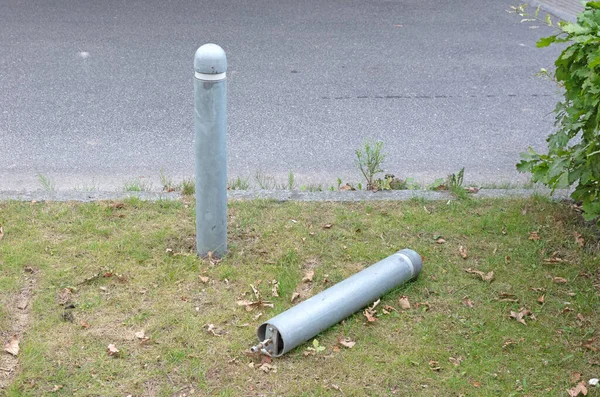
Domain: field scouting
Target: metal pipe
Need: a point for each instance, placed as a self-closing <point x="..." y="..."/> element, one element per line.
<point x="210" y="133"/>
<point x="287" y="330"/>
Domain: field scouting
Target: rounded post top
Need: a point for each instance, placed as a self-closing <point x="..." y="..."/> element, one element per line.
<point x="210" y="59"/>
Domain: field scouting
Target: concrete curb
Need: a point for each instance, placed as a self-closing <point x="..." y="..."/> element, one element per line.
<point x="282" y="195"/>
<point x="566" y="13"/>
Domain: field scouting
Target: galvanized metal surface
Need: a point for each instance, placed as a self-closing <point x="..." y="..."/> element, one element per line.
<point x="289" y="329"/>
<point x="210" y="126"/>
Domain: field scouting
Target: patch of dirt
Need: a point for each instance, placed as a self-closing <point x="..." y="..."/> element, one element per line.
<point x="151" y="388"/>
<point x="19" y="312"/>
<point x="310" y="264"/>
<point x="181" y="243"/>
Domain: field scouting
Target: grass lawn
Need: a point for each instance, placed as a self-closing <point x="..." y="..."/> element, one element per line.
<point x="125" y="274"/>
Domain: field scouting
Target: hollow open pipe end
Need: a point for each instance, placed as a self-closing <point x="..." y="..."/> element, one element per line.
<point x="275" y="346"/>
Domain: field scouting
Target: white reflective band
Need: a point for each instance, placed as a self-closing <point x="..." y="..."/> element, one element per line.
<point x="210" y="77"/>
<point x="412" y="267"/>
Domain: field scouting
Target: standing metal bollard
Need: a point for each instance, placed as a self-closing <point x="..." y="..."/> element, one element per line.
<point x="210" y="127"/>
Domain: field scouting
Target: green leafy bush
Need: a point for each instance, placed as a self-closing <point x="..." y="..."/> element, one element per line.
<point x="574" y="149"/>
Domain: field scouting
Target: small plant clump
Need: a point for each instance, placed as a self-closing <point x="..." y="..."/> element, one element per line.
<point x="369" y="161"/>
<point x="188" y="187"/>
<point x="167" y="183"/>
<point x="238" y="183"/>
<point x="46" y="182"/>
<point x="291" y="181"/>
<point x="454" y="183"/>
<point x="137" y="186"/>
<point x="390" y="182"/>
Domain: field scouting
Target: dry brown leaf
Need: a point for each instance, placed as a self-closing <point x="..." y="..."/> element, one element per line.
<point x="85" y="325"/>
<point x="513" y="300"/>
<point x="463" y="252"/>
<point x="434" y="365"/>
<point x="538" y="289"/>
<point x="117" y="205"/>
<point x="471" y="189"/>
<point x="566" y="310"/>
<point x="64" y="296"/>
<point x="1" y="232"/>
<point x="249" y="305"/>
<point x="374" y="305"/>
<point x="265" y="359"/>
<point x="112" y="350"/>
<point x="521" y="314"/>
<point x="541" y="299"/>
<point x="534" y="236"/>
<point x="554" y="258"/>
<point x="579" y="239"/>
<point x="244" y="302"/>
<point x="256" y="292"/>
<point x="140" y="334"/>
<point x="505" y="297"/>
<point x="504" y="230"/>
<point x="577" y="390"/>
<point x="484" y="276"/>
<point x="327" y="226"/>
<point x="295" y="296"/>
<point x="559" y="280"/>
<point x="575" y="377"/>
<point x="336" y="387"/>
<point x="476" y="384"/>
<point x="211" y="329"/>
<point x="455" y="360"/>
<point x="346" y="342"/>
<point x="404" y="303"/>
<point x="275" y="288"/>
<point x="204" y="279"/>
<point x="588" y="344"/>
<point x="468" y="302"/>
<point x="308" y="277"/>
<point x="440" y="241"/>
<point x="266" y="368"/>
<point x="370" y="316"/>
<point x="508" y="342"/>
<point x="346" y="187"/>
<point x="214" y="260"/>
<point x="12" y="346"/>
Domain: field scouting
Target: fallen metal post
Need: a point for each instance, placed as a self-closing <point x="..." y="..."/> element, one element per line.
<point x="210" y="133"/>
<point x="289" y="329"/>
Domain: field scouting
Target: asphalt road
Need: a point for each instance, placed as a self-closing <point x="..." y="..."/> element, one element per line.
<point x="95" y="94"/>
